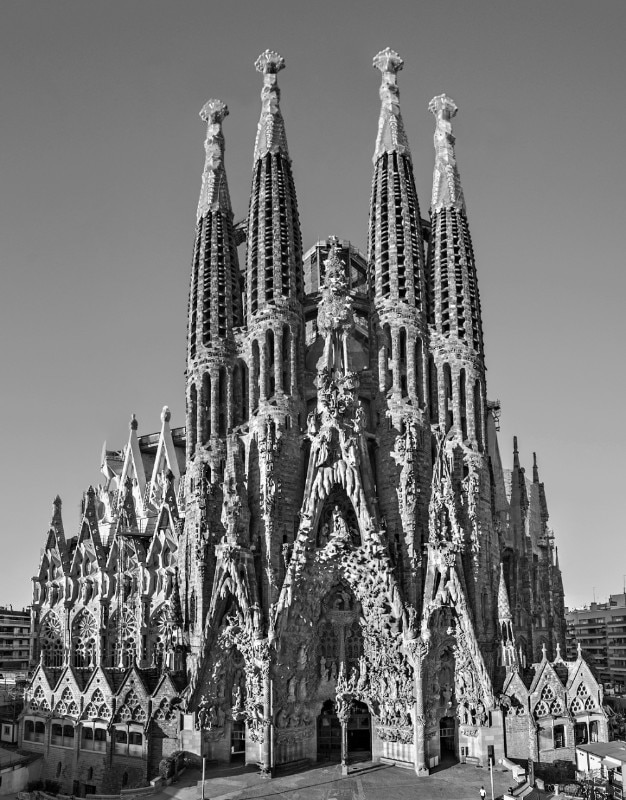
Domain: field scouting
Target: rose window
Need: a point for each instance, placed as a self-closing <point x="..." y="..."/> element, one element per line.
<point x="52" y="641"/>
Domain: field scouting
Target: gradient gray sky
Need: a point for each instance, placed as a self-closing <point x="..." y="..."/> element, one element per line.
<point x="101" y="154"/>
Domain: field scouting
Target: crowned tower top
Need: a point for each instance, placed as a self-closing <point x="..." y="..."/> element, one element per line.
<point x="270" y="136"/>
<point x="447" y="191"/>
<point x="391" y="134"/>
<point x="214" y="193"/>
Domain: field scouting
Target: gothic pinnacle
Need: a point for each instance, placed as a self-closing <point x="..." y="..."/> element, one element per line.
<point x="214" y="193"/>
<point x="447" y="191"/>
<point x="516" y="463"/>
<point x="391" y="134"/>
<point x="535" y="469"/>
<point x="270" y="136"/>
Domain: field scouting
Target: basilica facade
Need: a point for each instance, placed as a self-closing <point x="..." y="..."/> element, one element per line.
<point x="329" y="559"/>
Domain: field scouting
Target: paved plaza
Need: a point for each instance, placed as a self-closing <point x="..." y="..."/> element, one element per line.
<point x="366" y="781"/>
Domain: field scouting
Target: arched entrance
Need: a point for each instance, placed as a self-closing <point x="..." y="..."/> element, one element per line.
<point x="447" y="730"/>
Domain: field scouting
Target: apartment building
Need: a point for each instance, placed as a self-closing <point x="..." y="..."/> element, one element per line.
<point x="14" y="639"/>
<point x="600" y="630"/>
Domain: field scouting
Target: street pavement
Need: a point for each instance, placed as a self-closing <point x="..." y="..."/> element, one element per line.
<point x="366" y="781"/>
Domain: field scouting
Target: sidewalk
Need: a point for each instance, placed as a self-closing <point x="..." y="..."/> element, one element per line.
<point x="366" y="781"/>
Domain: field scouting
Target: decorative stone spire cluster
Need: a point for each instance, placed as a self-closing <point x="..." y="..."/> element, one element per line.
<point x="274" y="254"/>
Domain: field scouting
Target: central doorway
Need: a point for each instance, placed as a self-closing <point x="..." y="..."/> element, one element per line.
<point x="238" y="742"/>
<point x="359" y="732"/>
<point x="447" y="730"/>
<point x="329" y="733"/>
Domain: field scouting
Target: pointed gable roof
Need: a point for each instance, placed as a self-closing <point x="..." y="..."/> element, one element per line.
<point x="165" y="463"/>
<point x="56" y="549"/>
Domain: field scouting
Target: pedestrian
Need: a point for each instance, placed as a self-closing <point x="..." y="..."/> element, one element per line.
<point x="483" y="793"/>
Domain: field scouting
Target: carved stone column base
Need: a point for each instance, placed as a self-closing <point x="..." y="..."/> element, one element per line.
<point x="422" y="772"/>
<point x="266" y="772"/>
<point x="345" y="769"/>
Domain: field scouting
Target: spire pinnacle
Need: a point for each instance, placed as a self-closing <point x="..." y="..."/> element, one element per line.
<point x="391" y="134"/>
<point x="214" y="193"/>
<point x="516" y="463"/>
<point x="504" y="608"/>
<point x="535" y="469"/>
<point x="447" y="189"/>
<point x="270" y="136"/>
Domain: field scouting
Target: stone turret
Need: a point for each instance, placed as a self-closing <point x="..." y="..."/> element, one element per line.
<point x="216" y="385"/>
<point x="458" y="369"/>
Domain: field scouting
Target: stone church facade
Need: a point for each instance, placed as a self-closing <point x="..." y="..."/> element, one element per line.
<point x="329" y="559"/>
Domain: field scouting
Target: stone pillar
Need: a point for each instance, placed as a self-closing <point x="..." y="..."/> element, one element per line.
<point x="201" y="423"/>
<point x="469" y="406"/>
<point x="215" y="403"/>
<point x="344" y="705"/>
<point x="456" y="401"/>
<point x="278" y="361"/>
<point x="412" y="356"/>
<point x="293" y="363"/>
<point x="262" y="371"/>
<point x="230" y="399"/>
<point x="266" y="746"/>
<point x="416" y="651"/>
<point x="382" y="361"/>
<point x="395" y="351"/>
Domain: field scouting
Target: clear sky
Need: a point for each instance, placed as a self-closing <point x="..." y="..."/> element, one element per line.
<point x="101" y="154"/>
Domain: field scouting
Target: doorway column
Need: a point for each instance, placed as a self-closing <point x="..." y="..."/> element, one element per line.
<point x="416" y="651"/>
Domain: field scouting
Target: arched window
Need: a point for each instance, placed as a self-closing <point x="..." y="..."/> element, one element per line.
<point x="404" y="386"/>
<point x="447" y="387"/>
<point x="206" y="406"/>
<point x="29" y="730"/>
<point x="255" y="377"/>
<point x="463" y="404"/>
<point x="478" y="415"/>
<point x="238" y="392"/>
<point x="419" y="371"/>
<point x="270" y="378"/>
<point x="388" y="360"/>
<point x="434" y="390"/>
<point x="193" y="418"/>
<point x="286" y="358"/>
<point x="223" y="400"/>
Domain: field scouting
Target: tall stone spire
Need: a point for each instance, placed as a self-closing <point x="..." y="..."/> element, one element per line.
<point x="396" y="247"/>
<point x="274" y="255"/>
<point x="214" y="298"/>
<point x="453" y="290"/>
